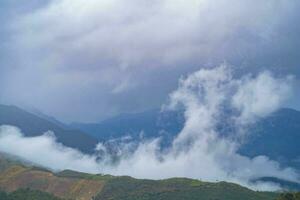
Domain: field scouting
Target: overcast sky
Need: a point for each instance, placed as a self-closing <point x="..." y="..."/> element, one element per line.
<point x="85" y="60"/>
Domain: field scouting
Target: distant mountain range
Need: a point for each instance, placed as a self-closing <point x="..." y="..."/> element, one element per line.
<point x="276" y="136"/>
<point x="149" y="124"/>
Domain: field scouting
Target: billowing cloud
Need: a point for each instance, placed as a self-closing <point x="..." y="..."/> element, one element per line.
<point x="112" y="56"/>
<point x="199" y="151"/>
<point x="259" y="97"/>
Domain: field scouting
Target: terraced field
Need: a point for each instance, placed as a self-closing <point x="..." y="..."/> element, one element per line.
<point x="16" y="177"/>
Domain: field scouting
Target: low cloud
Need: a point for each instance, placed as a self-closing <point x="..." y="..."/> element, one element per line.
<point x="199" y="151"/>
<point x="45" y="151"/>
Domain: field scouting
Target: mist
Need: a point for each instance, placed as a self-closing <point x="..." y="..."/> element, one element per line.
<point x="200" y="150"/>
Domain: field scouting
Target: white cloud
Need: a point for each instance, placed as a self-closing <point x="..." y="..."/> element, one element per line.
<point x="259" y="97"/>
<point x="199" y="151"/>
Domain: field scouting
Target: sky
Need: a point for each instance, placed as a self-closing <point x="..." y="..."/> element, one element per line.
<point x="86" y="60"/>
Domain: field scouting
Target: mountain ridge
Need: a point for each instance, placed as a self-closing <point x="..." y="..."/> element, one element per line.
<point x="32" y="125"/>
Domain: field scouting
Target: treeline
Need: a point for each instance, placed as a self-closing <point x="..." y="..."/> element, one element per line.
<point x="27" y="194"/>
<point x="289" y="196"/>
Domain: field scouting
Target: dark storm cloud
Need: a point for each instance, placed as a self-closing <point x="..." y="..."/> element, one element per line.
<point x="85" y="60"/>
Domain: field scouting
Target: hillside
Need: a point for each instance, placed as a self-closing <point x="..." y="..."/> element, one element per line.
<point x="126" y="188"/>
<point x="32" y="125"/>
<point x="15" y="175"/>
<point x="80" y="186"/>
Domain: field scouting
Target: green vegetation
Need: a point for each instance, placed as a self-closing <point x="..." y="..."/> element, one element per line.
<point x="126" y="188"/>
<point x="290" y="196"/>
<point x="26" y="194"/>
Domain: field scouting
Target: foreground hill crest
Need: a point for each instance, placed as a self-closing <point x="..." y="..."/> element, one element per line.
<point x="81" y="186"/>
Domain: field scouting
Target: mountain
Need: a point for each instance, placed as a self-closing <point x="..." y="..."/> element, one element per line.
<point x="150" y="123"/>
<point x="14" y="177"/>
<point x="33" y="125"/>
<point x="276" y="136"/>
